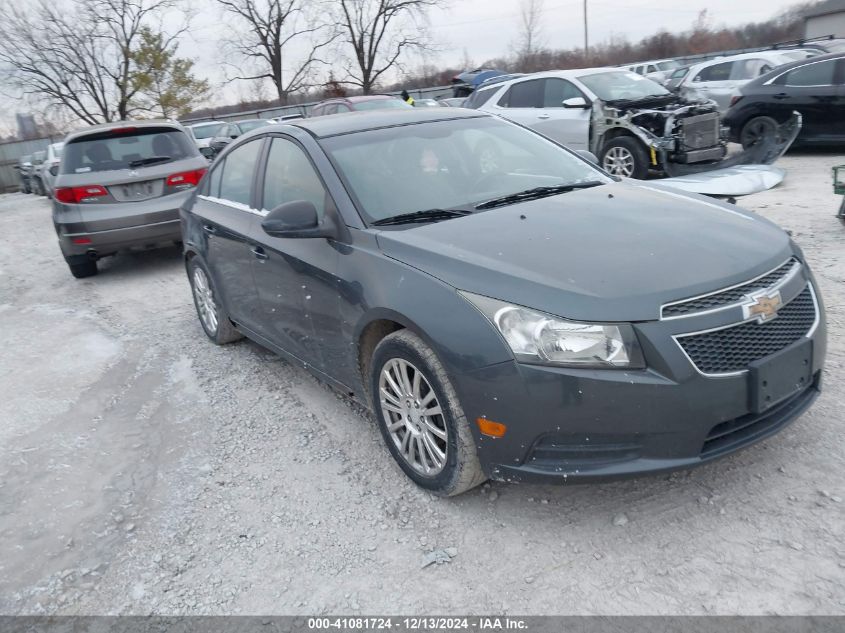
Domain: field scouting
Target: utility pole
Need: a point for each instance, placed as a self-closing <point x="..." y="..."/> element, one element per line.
<point x="586" y="37"/>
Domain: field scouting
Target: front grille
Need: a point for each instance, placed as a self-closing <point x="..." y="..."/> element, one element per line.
<point x="728" y="297"/>
<point x="733" y="434"/>
<point x="701" y="131"/>
<point x="733" y="348"/>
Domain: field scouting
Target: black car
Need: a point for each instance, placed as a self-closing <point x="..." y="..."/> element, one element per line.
<point x="814" y="87"/>
<point x="532" y="320"/>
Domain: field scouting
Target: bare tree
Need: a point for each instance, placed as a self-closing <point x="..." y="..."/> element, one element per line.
<point x="379" y="32"/>
<point x="270" y="29"/>
<point x="75" y="55"/>
<point x="530" y="27"/>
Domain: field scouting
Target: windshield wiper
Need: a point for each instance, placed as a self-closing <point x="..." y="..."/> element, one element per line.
<point x="537" y="192"/>
<point x="148" y="161"/>
<point x="427" y="215"/>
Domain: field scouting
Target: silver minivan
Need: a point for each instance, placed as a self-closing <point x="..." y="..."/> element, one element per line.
<point x="120" y="186"/>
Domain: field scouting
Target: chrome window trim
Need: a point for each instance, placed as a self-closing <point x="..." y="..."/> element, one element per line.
<point x="820" y="61"/>
<point x="731" y="374"/>
<point x="796" y="268"/>
<point x="233" y="205"/>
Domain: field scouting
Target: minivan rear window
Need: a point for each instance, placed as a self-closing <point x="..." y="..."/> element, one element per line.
<point x="126" y="148"/>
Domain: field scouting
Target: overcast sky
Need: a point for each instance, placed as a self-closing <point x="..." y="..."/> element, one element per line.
<point x="487" y="28"/>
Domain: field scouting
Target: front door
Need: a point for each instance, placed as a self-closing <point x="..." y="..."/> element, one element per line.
<point x="814" y="90"/>
<point x="296" y="278"/>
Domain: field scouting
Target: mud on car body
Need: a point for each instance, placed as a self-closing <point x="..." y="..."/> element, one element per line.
<point x="630" y="122"/>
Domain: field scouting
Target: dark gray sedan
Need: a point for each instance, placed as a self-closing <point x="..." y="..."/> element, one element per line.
<point x="507" y="309"/>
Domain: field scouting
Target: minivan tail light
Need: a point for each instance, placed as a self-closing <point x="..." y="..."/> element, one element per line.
<point x="186" y="178"/>
<point x="75" y="195"/>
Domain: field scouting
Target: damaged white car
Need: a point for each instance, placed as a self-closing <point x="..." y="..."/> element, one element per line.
<point x="632" y="124"/>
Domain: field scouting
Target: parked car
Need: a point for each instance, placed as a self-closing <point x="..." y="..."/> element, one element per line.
<point x="120" y="186"/>
<point x="202" y="133"/>
<point x="540" y="321"/>
<point x="232" y="131"/>
<point x="657" y="70"/>
<point x="24" y="169"/>
<point x="814" y="87"/>
<point x="50" y="169"/>
<point x="426" y="103"/>
<point x="630" y="122"/>
<point x="35" y="172"/>
<point x="341" y="105"/>
<point x="720" y="79"/>
<point x="464" y="83"/>
<point x="452" y="102"/>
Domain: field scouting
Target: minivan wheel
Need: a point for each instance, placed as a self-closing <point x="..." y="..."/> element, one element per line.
<point x="81" y="268"/>
<point x="626" y="157"/>
<point x="756" y="129"/>
<point x="420" y="417"/>
<point x="213" y="318"/>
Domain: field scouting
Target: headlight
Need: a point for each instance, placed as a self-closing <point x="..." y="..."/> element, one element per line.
<point x="535" y="337"/>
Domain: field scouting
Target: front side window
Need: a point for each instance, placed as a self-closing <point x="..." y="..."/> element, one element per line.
<point x="290" y="176"/>
<point x="716" y="72"/>
<point x="556" y="91"/>
<point x="126" y="148"/>
<point x="238" y="172"/>
<point x="480" y="97"/>
<point x="525" y="94"/>
<point x="818" y="74"/>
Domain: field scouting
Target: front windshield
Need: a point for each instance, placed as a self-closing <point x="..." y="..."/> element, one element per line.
<point x="249" y="126"/>
<point x="621" y="85"/>
<point x="379" y="104"/>
<point x="449" y="164"/>
<point x="206" y="131"/>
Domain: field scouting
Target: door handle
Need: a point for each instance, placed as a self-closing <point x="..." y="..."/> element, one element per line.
<point x="781" y="95"/>
<point x="259" y="253"/>
<point x="208" y="228"/>
<point x="543" y="116"/>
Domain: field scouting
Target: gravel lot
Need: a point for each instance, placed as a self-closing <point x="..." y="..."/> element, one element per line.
<point x="145" y="470"/>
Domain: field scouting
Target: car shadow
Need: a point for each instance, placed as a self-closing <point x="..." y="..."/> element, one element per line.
<point x="142" y="262"/>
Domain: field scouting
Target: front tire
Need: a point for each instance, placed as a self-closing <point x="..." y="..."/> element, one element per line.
<point x="626" y="157"/>
<point x="420" y="417"/>
<point x="213" y="318"/>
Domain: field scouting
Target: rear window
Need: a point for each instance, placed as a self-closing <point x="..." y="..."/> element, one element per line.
<point x="126" y="148"/>
<point x="206" y="131"/>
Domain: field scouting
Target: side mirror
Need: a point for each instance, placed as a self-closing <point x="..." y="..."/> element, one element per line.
<point x="234" y="136"/>
<point x="298" y="219"/>
<point x="54" y="170"/>
<point x="588" y="156"/>
<point x="576" y="102"/>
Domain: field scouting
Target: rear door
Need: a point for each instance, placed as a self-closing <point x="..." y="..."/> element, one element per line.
<point x="227" y="213"/>
<point x="538" y="104"/>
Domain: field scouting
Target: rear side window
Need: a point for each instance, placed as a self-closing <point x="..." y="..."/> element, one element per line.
<point x="818" y="74"/>
<point x="716" y="72"/>
<point x="126" y="148"/>
<point x="525" y="94"/>
<point x="238" y="172"/>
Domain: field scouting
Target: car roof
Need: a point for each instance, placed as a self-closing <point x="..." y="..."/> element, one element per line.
<point x="105" y="127"/>
<point x="335" y="124"/>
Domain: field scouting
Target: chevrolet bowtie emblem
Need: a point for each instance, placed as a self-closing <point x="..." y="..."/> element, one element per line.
<point x="764" y="306"/>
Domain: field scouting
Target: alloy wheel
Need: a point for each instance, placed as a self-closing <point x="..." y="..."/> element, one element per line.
<point x="414" y="417"/>
<point x="205" y="300"/>
<point x="757" y="130"/>
<point x="619" y="161"/>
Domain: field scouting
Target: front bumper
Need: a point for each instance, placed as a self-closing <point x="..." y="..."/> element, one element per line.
<point x="581" y="425"/>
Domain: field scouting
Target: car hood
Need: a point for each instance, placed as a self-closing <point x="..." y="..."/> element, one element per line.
<point x="610" y="253"/>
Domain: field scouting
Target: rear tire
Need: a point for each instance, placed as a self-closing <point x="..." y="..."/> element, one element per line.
<point x="443" y="459"/>
<point x="213" y="318"/>
<point x="82" y="269"/>
<point x="756" y="129"/>
<point x="625" y="156"/>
